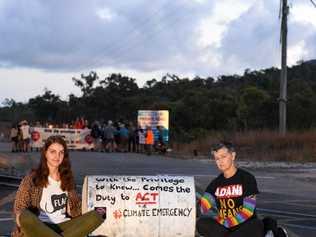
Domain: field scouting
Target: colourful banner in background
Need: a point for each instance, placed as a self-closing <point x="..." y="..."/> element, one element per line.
<point x="155" y="118"/>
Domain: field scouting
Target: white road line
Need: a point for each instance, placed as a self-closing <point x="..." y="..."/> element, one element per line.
<point x="9" y="184"/>
<point x="296" y="203"/>
<point x="6" y="219"/>
<point x="210" y="175"/>
<point x="300" y="226"/>
<point x="286" y="212"/>
<point x="7" y="199"/>
<point x="265" y="177"/>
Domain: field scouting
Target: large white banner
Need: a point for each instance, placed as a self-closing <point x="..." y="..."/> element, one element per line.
<point x="75" y="138"/>
<point x="142" y="206"/>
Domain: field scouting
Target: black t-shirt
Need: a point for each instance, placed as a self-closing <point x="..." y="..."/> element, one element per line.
<point x="230" y="192"/>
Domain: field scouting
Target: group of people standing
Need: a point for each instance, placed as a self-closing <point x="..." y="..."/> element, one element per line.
<point x="20" y="137"/>
<point x="107" y="137"/>
<point x="120" y="137"/>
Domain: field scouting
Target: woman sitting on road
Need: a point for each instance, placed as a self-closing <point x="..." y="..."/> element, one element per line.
<point x="46" y="202"/>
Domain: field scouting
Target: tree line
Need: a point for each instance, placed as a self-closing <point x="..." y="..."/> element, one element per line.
<point x="196" y="106"/>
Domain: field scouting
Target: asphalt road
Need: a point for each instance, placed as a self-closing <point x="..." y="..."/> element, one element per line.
<point x="287" y="193"/>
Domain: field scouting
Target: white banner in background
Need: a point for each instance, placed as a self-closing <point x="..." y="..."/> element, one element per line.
<point x="75" y="138"/>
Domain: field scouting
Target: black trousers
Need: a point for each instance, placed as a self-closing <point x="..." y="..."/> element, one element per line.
<point x="208" y="227"/>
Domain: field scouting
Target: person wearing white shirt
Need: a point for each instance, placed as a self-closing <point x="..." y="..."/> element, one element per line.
<point x="46" y="203"/>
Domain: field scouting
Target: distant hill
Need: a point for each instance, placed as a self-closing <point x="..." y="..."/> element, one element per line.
<point x="310" y="62"/>
<point x="228" y="102"/>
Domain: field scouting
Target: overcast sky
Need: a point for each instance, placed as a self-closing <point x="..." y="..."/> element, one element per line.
<point x="44" y="43"/>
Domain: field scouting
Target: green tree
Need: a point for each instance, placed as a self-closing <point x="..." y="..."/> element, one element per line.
<point x="46" y="107"/>
<point x="251" y="107"/>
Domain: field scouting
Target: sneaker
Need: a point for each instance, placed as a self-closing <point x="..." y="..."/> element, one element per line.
<point x="282" y="232"/>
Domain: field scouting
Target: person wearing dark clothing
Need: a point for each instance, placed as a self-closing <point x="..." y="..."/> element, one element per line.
<point x="160" y="145"/>
<point x="96" y="134"/>
<point x="14" y="138"/>
<point x="131" y="138"/>
<point x="109" y="137"/>
<point x="123" y="133"/>
<point x="228" y="206"/>
<point x="95" y="131"/>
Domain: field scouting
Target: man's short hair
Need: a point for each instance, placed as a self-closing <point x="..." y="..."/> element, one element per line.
<point x="224" y="144"/>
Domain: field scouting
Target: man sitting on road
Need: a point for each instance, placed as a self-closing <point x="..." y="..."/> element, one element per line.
<point x="228" y="206"/>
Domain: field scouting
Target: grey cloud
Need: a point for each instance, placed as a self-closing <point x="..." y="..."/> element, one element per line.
<point x="252" y="40"/>
<point x="303" y="31"/>
<point x="142" y="35"/>
<point x="311" y="47"/>
<point x="68" y="35"/>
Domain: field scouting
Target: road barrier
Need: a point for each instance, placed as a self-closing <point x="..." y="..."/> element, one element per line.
<point x="77" y="139"/>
